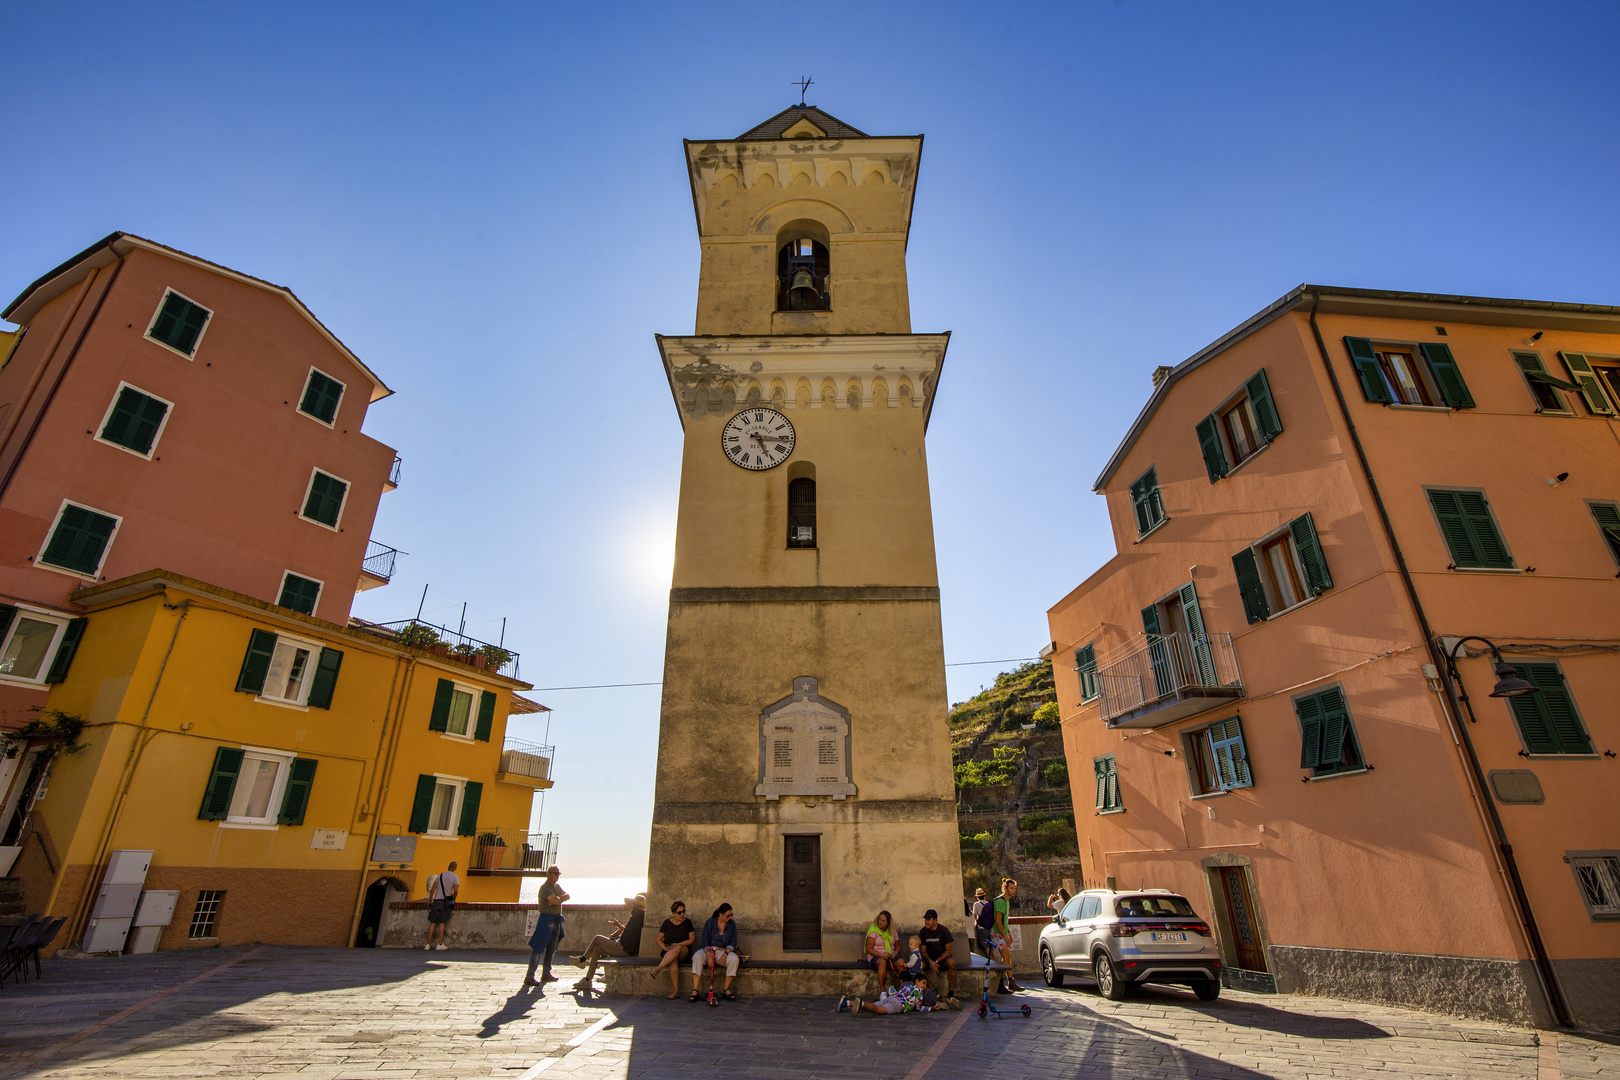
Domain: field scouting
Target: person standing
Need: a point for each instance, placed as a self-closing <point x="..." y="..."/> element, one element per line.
<point x="548" y="930"/>
<point x="984" y="921"/>
<point x="1001" y="935"/>
<point x="625" y="941"/>
<point x="442" y="889"/>
<point x="675" y="939"/>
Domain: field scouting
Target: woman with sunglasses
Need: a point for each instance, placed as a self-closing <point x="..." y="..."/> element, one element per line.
<point x="675" y="943"/>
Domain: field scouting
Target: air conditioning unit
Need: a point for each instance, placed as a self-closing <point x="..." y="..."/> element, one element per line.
<point x="803" y="532"/>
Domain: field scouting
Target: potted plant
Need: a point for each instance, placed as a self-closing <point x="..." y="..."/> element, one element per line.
<point x="491" y="850"/>
<point x="495" y="656"/>
<point x="420" y="637"/>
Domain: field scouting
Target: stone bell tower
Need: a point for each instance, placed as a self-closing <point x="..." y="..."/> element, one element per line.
<point x="804" y="764"/>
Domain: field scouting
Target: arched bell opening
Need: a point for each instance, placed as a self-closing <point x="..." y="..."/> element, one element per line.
<point x="802" y="266"/>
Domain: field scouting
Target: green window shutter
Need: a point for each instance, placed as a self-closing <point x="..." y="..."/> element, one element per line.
<point x="486" y="716"/>
<point x="1231" y="758"/>
<point x="1113" y="784"/>
<point x="296" y="799"/>
<point x="440" y="721"/>
<point x="64" y="652"/>
<point x="326" y="673"/>
<point x="1548" y="720"/>
<point x="1146" y="502"/>
<point x="134" y="420"/>
<point x="1580" y="369"/>
<point x="1255" y="607"/>
<point x="1309" y="546"/>
<point x="1477" y="513"/>
<point x="1309" y="711"/>
<point x="216" y="803"/>
<point x="325" y="500"/>
<point x="7" y="613"/>
<point x="1209" y="441"/>
<point x="299" y="594"/>
<point x="321" y="397"/>
<point x="1454" y="528"/>
<point x="179" y="323"/>
<point x="1368" y="373"/>
<point x="1470" y="530"/>
<point x="256" y="664"/>
<point x="80" y="540"/>
<point x="422" y="808"/>
<point x="1335" y="725"/>
<point x="1265" y="409"/>
<point x="1203" y="656"/>
<point x="1100" y="767"/>
<point x="1606" y="514"/>
<point x="469" y="808"/>
<point x="1447" y="375"/>
<point x="1150" y="620"/>
<point x="1085" y="663"/>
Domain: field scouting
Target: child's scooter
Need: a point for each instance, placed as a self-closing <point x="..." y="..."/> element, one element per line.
<point x="986" y="1007"/>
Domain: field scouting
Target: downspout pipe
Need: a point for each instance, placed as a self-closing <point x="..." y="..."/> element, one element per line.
<point x="1538" y="950"/>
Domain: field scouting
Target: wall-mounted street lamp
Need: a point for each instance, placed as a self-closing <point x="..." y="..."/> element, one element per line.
<point x="1508" y="684"/>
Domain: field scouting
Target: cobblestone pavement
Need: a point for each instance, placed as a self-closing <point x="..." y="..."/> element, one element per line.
<point x="334" y="1014"/>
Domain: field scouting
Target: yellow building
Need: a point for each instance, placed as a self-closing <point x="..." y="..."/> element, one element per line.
<point x="804" y="770"/>
<point x="276" y="765"/>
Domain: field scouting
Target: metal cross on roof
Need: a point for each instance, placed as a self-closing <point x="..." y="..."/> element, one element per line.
<point x="804" y="84"/>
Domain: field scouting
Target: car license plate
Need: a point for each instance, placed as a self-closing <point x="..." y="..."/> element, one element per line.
<point x="1170" y="935"/>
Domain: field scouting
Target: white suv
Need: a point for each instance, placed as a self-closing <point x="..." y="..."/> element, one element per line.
<point x="1122" y="938"/>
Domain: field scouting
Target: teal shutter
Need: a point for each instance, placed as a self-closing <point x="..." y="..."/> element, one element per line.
<point x="1209" y="441"/>
<point x="1146" y="502"/>
<point x="216" y="803"/>
<point x="1255" y="607"/>
<point x="179" y="323"/>
<point x="299" y="594"/>
<point x="1113" y="784"/>
<point x="1477" y="512"/>
<point x="1580" y="369"/>
<point x="1470" y="530"/>
<point x="486" y="716"/>
<point x="296" y="799"/>
<point x="1309" y="712"/>
<point x="1447" y="375"/>
<point x="1100" y="769"/>
<point x="256" y="664"/>
<point x="1548" y="720"/>
<point x="1085" y="663"/>
<point x="325" y="502"/>
<point x="1607" y="516"/>
<point x="422" y="808"/>
<point x="80" y="539"/>
<point x="134" y="420"/>
<point x="440" y="720"/>
<point x="1203" y="656"/>
<point x="1335" y="726"/>
<point x="1368" y="373"/>
<point x="469" y="808"/>
<point x="1265" y="409"/>
<point x="1309" y="546"/>
<point x="321" y="397"/>
<point x="1231" y="758"/>
<point x="64" y="652"/>
<point x="326" y="673"/>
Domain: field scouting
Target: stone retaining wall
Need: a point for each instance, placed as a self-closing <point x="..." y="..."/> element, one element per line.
<point x="494" y="926"/>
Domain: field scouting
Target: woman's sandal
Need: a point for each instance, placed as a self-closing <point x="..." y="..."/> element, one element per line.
<point x="695" y="996"/>
<point x="672" y="997"/>
<point x="729" y="994"/>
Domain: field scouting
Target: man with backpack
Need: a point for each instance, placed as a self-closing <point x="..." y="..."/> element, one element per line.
<point x="983" y="921"/>
<point x="442" y="889"/>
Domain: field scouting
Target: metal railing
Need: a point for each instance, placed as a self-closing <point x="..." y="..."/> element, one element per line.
<point x="379" y="560"/>
<point x="393" y="472"/>
<point x="1153" y="667"/>
<point x="456" y="646"/>
<point x="514" y="850"/>
<point x="526" y="759"/>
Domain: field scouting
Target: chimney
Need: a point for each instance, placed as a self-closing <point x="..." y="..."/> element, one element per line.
<point x="1160" y="374"/>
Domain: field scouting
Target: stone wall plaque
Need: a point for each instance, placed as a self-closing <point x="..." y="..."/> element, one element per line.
<point x="400" y="849"/>
<point x="804" y="745"/>
<point x="1517" y="786"/>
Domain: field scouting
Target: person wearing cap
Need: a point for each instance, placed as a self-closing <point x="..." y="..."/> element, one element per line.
<point x="983" y="920"/>
<point x="625" y="941"/>
<point x="937" y="953"/>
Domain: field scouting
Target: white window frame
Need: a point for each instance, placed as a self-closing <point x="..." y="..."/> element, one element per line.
<point x="460" y="784"/>
<point x="472" y="713"/>
<point x="39" y="558"/>
<point x="1611" y="857"/>
<point x="348" y="489"/>
<point x="278" y="790"/>
<point x="113" y="404"/>
<point x="302" y="701"/>
<point x="299" y="408"/>
<point x="318" y="592"/>
<point x="152" y="321"/>
<point x="39" y="615"/>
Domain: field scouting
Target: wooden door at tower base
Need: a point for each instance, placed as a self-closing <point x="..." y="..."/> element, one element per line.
<point x="801" y="894"/>
<point x="1237" y="917"/>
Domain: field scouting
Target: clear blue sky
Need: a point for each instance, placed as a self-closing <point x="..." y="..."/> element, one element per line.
<point x="488" y="204"/>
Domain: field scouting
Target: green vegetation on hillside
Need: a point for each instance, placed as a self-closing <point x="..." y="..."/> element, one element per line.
<point x="998" y="770"/>
<point x="1013" y="701"/>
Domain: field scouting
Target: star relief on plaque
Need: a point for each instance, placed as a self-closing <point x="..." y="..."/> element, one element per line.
<point x="757" y="438"/>
<point x="804" y="746"/>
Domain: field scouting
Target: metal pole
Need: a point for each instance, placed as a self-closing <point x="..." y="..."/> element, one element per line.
<point x="420" y="604"/>
<point x="502" y="642"/>
<point x="462" y="630"/>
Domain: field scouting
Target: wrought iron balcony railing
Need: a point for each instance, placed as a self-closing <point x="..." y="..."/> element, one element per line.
<point x="512" y="853"/>
<point x="393" y="474"/>
<point x="526" y="763"/>
<point x="379" y="560"/>
<point x="449" y="643"/>
<point x="1156" y="679"/>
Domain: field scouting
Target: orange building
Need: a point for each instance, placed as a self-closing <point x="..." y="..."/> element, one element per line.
<point x="1313" y="515"/>
<point x="161" y="410"/>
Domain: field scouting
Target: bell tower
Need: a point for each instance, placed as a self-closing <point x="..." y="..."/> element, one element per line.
<point x="804" y="765"/>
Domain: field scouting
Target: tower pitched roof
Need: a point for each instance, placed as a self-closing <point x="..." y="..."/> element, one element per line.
<point x="773" y="128"/>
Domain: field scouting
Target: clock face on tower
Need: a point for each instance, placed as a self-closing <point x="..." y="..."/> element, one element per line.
<point x="757" y="439"/>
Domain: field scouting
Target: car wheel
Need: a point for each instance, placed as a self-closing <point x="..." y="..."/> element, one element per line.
<point x="1109" y="985"/>
<point x="1208" y="990"/>
<point x="1049" y="970"/>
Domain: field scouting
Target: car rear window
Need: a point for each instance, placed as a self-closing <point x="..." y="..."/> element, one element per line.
<point x="1152" y="907"/>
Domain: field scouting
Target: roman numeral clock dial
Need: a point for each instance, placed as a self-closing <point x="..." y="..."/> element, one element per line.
<point x="757" y="439"/>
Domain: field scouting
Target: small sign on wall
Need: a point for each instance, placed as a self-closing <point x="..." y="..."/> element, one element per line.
<point x="531" y="919"/>
<point x="1016" y="935"/>
<point x="329" y="839"/>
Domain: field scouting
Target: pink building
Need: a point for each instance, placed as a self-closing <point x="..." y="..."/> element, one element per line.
<point x="160" y="410"/>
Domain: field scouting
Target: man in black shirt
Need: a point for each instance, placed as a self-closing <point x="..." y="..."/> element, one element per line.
<point x="626" y="941"/>
<point x="937" y="952"/>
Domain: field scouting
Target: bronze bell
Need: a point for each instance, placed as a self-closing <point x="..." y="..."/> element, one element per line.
<point x="802" y="293"/>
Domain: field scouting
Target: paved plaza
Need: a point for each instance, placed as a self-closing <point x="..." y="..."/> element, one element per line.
<point x="331" y="1014"/>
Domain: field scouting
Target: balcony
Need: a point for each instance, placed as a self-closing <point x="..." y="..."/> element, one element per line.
<point x="1157" y="679"/>
<point x="512" y="853"/>
<point x="392" y="483"/>
<point x="525" y="763"/>
<point x="377" y="569"/>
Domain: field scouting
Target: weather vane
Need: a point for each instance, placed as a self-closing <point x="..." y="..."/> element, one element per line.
<point x="804" y="86"/>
